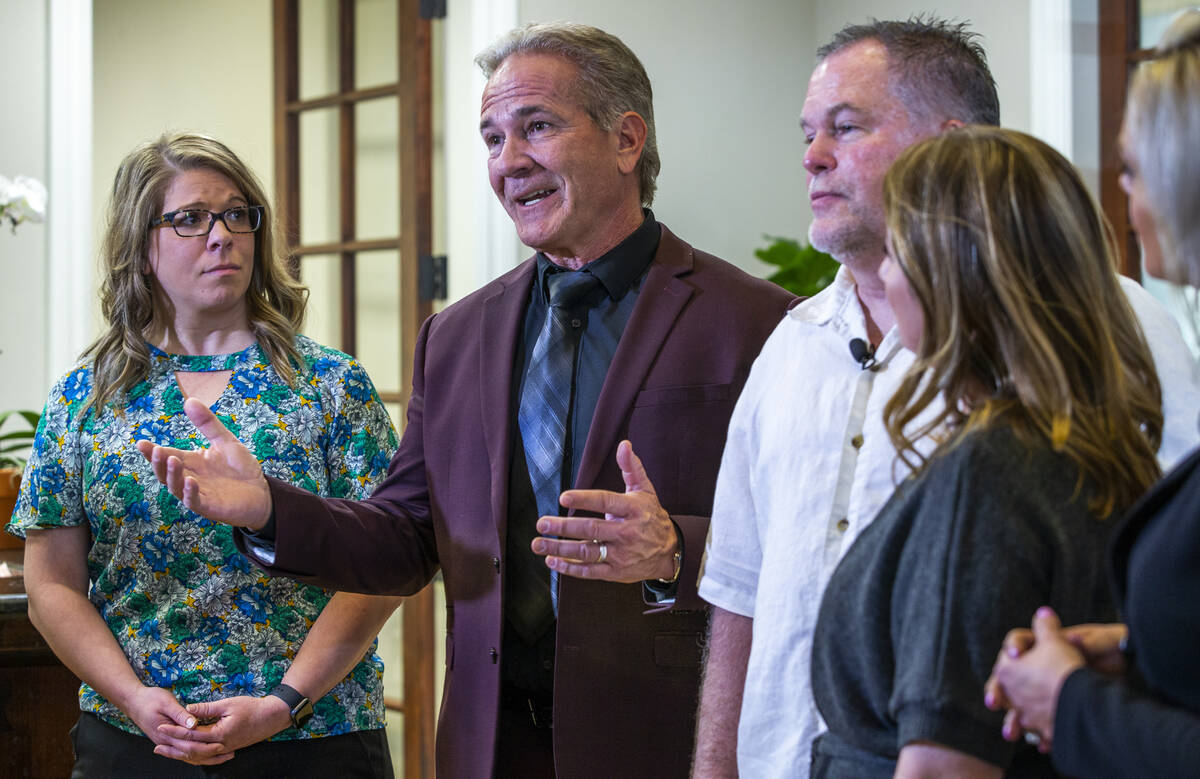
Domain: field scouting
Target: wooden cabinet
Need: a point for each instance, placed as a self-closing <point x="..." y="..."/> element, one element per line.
<point x="38" y="696"/>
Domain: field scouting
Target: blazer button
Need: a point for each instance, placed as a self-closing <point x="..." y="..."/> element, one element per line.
<point x="496" y="564"/>
<point x="494" y="655"/>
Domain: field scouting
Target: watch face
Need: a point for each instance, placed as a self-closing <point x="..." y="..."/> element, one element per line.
<point x="302" y="713"/>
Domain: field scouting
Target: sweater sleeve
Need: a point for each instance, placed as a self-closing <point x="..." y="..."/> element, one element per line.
<point x="1003" y="535"/>
<point x="1107" y="727"/>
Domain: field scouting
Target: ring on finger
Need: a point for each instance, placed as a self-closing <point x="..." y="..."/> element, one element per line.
<point x="603" y="553"/>
<point x="1033" y="737"/>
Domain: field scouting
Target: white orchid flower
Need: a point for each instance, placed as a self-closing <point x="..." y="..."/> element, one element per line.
<point x="22" y="199"/>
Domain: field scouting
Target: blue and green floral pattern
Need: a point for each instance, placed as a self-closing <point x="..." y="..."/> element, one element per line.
<point x="191" y="613"/>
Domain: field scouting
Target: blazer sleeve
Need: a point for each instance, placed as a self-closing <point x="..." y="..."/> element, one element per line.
<point x="1106" y="727"/>
<point x="382" y="545"/>
<point x="684" y="594"/>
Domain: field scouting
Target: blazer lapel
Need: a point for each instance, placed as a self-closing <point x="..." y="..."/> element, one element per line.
<point x="1135" y="520"/>
<point x="500" y="331"/>
<point x="660" y="301"/>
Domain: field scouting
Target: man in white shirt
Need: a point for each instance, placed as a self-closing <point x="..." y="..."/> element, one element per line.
<point x="807" y="462"/>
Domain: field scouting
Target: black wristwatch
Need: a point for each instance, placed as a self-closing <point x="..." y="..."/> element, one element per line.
<point x="301" y="709"/>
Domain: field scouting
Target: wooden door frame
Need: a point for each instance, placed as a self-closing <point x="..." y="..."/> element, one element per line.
<point x="415" y="150"/>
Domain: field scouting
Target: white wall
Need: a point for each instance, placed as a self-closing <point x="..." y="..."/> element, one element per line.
<point x="729" y="80"/>
<point x="728" y="85"/>
<point x="23" y="260"/>
<point x="156" y="71"/>
<point x="474" y="231"/>
<point x="1003" y="27"/>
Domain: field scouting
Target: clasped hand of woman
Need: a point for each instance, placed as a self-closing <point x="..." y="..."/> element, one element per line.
<point x="1034" y="663"/>
<point x="222" y="727"/>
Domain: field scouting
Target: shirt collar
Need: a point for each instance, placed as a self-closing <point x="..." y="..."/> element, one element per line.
<point x="838" y="308"/>
<point x="620" y="267"/>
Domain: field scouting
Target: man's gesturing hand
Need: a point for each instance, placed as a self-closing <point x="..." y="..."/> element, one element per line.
<point x="224" y="483"/>
<point x="635" y="540"/>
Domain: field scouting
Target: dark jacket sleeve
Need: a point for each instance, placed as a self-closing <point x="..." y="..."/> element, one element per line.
<point x="384" y="544"/>
<point x="1107" y="727"/>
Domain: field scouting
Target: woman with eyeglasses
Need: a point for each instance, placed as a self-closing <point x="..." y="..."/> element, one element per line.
<point x="1034" y="379"/>
<point x="1124" y="699"/>
<point x="185" y="649"/>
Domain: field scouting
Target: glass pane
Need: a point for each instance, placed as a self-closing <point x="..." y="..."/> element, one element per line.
<point x="377" y="168"/>
<point x="396" y="412"/>
<point x="318" y="48"/>
<point x="1155" y="16"/>
<point x="377" y="317"/>
<point x="321" y="273"/>
<point x="319" y="203"/>
<point x="439" y="629"/>
<point x="375" y="31"/>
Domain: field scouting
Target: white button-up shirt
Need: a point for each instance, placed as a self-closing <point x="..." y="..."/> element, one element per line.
<point x="807" y="465"/>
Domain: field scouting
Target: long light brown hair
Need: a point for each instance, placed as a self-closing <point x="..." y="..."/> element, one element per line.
<point x="1026" y="325"/>
<point x="275" y="302"/>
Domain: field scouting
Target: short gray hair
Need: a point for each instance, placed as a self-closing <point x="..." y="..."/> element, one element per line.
<point x="938" y="67"/>
<point x="611" y="79"/>
<point x="1162" y="123"/>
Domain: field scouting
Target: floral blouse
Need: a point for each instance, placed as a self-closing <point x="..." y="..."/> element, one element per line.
<point x="190" y="612"/>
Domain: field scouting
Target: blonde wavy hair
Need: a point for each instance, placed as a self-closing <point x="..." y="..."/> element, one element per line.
<point x="1026" y="325"/>
<point x="275" y="301"/>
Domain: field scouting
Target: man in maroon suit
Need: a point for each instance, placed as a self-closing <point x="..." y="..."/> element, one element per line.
<point x="574" y="639"/>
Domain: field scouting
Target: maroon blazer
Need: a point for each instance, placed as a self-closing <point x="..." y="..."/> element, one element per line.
<point x="625" y="681"/>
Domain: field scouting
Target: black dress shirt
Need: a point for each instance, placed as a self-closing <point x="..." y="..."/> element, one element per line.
<point x="620" y="272"/>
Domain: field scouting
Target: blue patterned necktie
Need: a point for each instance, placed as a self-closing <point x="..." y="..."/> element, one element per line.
<point x="544" y="411"/>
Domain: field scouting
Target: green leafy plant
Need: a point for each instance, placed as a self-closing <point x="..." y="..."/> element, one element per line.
<point x="15" y="444"/>
<point x="803" y="270"/>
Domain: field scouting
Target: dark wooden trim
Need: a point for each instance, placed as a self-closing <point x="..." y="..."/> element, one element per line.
<point x="423" y="185"/>
<point x="347" y="178"/>
<point x="1119" y="25"/>
<point x="341" y="98"/>
<point x="286" y="77"/>
<point x="415" y="150"/>
<point x="338" y="247"/>
<point x="416" y="172"/>
<point x="419" y="705"/>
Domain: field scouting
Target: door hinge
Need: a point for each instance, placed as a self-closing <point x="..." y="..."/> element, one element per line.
<point x="433" y="9"/>
<point x="431" y="277"/>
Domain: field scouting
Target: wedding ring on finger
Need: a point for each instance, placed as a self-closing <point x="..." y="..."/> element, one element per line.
<point x="603" y="553"/>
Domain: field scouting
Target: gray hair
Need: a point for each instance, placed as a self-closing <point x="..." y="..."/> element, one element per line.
<point x="938" y="67"/>
<point x="611" y="79"/>
<point x="1162" y="124"/>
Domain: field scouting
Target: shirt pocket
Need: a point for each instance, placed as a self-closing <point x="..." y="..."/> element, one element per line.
<point x="699" y="393"/>
<point x="679" y="433"/>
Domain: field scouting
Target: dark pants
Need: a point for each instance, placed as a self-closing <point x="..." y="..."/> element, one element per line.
<point x="524" y="749"/>
<point x="103" y="751"/>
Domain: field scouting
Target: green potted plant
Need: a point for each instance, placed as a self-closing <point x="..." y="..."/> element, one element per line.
<point x="14" y="449"/>
<point x="803" y="270"/>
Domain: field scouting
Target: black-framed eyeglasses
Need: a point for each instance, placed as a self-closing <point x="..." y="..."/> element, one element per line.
<point x="196" y="222"/>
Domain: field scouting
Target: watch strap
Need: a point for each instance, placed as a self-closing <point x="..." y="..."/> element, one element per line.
<point x="299" y="706"/>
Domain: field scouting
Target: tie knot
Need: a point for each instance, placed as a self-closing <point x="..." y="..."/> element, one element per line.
<point x="568" y="288"/>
